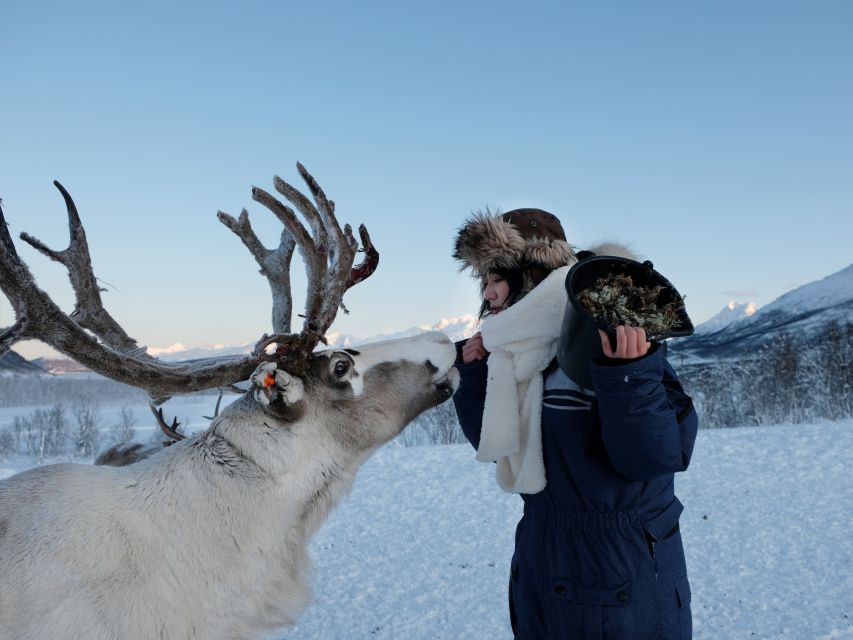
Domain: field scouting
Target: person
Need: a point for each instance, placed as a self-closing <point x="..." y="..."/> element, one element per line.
<point x="598" y="552"/>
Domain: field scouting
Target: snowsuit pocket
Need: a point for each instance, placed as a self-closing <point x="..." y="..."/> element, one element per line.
<point x="685" y="620"/>
<point x="667" y="556"/>
<point x="593" y="607"/>
<point x="677" y="623"/>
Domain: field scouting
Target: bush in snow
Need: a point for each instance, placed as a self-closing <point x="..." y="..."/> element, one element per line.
<point x="122" y="431"/>
<point x="86" y="432"/>
<point x="792" y="381"/>
<point x="439" y="425"/>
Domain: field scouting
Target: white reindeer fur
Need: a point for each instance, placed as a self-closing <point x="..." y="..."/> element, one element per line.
<point x="207" y="539"/>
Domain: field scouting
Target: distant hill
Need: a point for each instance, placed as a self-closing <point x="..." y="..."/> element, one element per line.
<point x="12" y="363"/>
<point x="61" y="366"/>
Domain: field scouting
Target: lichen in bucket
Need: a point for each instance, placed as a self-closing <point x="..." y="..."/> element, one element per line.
<point x="614" y="299"/>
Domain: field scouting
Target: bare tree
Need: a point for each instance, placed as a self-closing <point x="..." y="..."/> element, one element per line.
<point x="441" y="426"/>
<point x="44" y="432"/>
<point x="122" y="431"/>
<point x="8" y="446"/>
<point x="85" y="435"/>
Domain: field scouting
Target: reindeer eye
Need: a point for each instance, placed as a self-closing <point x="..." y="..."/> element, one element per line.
<point x="341" y="368"/>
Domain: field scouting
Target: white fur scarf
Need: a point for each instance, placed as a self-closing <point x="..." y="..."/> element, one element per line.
<point x="522" y="341"/>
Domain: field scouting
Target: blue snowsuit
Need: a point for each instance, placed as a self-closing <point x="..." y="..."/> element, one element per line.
<point x="598" y="552"/>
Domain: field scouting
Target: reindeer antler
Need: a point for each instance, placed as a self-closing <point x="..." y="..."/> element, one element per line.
<point x="328" y="252"/>
<point x="92" y="337"/>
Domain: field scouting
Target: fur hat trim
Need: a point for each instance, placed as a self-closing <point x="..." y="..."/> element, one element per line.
<point x="551" y="254"/>
<point x="527" y="239"/>
<point x="487" y="242"/>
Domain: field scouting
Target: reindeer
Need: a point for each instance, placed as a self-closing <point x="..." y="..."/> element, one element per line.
<point x="207" y="538"/>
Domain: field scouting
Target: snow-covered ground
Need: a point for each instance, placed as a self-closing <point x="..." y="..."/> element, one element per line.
<point x="420" y="549"/>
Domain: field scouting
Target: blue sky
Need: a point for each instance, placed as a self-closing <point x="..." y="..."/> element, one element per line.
<point x="716" y="138"/>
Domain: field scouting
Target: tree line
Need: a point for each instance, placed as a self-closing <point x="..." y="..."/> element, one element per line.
<point x="74" y="432"/>
<point x="789" y="380"/>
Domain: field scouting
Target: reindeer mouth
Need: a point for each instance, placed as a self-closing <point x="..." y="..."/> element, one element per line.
<point x="446" y="384"/>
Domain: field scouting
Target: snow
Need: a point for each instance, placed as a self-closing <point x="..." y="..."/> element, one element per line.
<point x="421" y="548"/>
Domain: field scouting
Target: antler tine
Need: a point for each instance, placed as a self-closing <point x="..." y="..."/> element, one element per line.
<point x="89" y="311"/>
<point x="307" y="209"/>
<point x="171" y="430"/>
<point x="340" y="255"/>
<point x="275" y="266"/>
<point x="321" y="247"/>
<point x="13" y="273"/>
<point x="315" y="266"/>
<point x="368" y="265"/>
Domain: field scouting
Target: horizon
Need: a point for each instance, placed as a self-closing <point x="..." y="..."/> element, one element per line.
<point x="463" y="326"/>
<point x="715" y="140"/>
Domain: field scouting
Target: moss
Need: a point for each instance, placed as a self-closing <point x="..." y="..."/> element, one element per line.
<point x="614" y="299"/>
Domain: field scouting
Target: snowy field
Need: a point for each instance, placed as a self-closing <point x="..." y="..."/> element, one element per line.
<point x="420" y="550"/>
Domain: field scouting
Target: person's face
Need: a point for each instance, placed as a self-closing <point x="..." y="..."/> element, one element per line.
<point x="496" y="292"/>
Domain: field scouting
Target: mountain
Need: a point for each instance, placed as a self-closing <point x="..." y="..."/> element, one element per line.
<point x="61" y="366"/>
<point x="12" y="363"/>
<point x="454" y="328"/>
<point x="178" y="351"/>
<point x="804" y="313"/>
<point x="732" y="312"/>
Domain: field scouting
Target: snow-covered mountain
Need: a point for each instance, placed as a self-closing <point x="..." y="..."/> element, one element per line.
<point x="804" y="313"/>
<point x="732" y="312"/>
<point x="176" y="352"/>
<point x="454" y="328"/>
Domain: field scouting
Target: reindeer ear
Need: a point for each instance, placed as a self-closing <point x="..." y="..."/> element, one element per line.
<point x="271" y="384"/>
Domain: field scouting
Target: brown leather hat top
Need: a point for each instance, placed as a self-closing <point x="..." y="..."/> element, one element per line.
<point x="535" y="223"/>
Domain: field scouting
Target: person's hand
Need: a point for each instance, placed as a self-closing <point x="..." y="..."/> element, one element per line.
<point x="473" y="349"/>
<point x="630" y="343"/>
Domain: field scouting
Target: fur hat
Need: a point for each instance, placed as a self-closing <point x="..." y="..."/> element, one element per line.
<point x="531" y="240"/>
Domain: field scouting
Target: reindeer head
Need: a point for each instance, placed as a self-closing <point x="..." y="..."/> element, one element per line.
<point x="359" y="398"/>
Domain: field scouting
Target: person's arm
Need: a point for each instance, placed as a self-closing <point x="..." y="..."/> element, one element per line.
<point x="648" y="423"/>
<point x="470" y="397"/>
